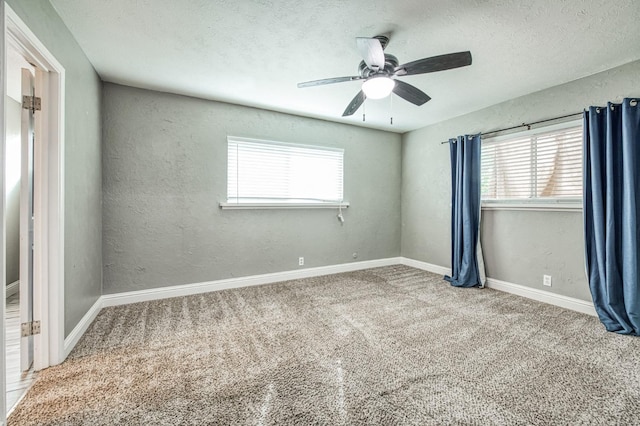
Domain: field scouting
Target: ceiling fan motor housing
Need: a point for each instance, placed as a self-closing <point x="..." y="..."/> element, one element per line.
<point x="390" y="64"/>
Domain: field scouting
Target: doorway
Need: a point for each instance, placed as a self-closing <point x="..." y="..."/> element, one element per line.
<point x="47" y="197"/>
<point x="18" y="213"/>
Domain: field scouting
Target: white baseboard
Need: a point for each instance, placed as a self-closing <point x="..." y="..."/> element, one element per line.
<point x="567" y="302"/>
<point x="543" y="296"/>
<point x="429" y="267"/>
<point x="74" y="337"/>
<point x="12" y="289"/>
<point x="206" y="287"/>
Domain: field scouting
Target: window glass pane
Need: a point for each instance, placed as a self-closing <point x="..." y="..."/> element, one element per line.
<point x="262" y="171"/>
<point x="537" y="167"/>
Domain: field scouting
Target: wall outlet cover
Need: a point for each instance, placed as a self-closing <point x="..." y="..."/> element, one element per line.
<point x="546" y="280"/>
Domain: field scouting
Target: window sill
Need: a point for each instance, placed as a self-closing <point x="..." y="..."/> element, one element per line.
<point x="271" y="206"/>
<point x="542" y="207"/>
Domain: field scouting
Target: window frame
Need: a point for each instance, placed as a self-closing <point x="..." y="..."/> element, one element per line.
<point x="274" y="203"/>
<point x="535" y="204"/>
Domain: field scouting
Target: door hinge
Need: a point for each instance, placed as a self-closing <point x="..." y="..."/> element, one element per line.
<point x="30" y="328"/>
<point x="32" y="103"/>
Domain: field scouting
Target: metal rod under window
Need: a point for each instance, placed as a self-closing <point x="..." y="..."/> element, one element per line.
<point x="527" y="125"/>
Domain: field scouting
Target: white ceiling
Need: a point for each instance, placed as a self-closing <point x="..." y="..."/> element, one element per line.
<point x="253" y="52"/>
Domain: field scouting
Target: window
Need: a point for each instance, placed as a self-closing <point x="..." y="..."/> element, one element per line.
<point x="536" y="167"/>
<point x="265" y="172"/>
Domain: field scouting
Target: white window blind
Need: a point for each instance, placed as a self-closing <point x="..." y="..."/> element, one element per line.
<point x="543" y="166"/>
<point x="274" y="172"/>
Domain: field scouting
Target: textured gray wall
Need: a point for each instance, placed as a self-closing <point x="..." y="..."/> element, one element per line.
<point x="164" y="167"/>
<point x="82" y="158"/>
<point x="519" y="246"/>
<point x="12" y="208"/>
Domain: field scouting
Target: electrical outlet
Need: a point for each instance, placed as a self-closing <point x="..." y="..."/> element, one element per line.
<point x="546" y="280"/>
<point x="300" y="261"/>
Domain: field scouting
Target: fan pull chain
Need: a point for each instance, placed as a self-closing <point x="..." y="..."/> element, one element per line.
<point x="364" y="110"/>
<point x="391" y="108"/>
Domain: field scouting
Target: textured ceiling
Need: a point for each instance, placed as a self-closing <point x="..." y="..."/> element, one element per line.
<point x="253" y="52"/>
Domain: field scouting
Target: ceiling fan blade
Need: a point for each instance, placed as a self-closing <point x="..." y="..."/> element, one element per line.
<point x="371" y="51"/>
<point x="410" y="93"/>
<point x="354" y="104"/>
<point x="328" y="81"/>
<point x="435" y="63"/>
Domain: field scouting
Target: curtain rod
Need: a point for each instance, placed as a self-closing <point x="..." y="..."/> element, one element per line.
<point x="527" y="125"/>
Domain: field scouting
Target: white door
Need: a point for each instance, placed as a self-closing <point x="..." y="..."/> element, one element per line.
<point x="27" y="221"/>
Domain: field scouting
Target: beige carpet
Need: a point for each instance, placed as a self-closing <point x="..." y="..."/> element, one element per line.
<point x="386" y="346"/>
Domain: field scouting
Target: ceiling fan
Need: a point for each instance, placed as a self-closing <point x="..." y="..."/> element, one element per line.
<point x="380" y="71"/>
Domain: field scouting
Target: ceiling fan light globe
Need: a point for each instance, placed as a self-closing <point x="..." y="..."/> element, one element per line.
<point x="378" y="87"/>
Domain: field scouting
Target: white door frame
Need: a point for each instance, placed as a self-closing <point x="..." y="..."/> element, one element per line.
<point x="48" y="291"/>
<point x="3" y="269"/>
